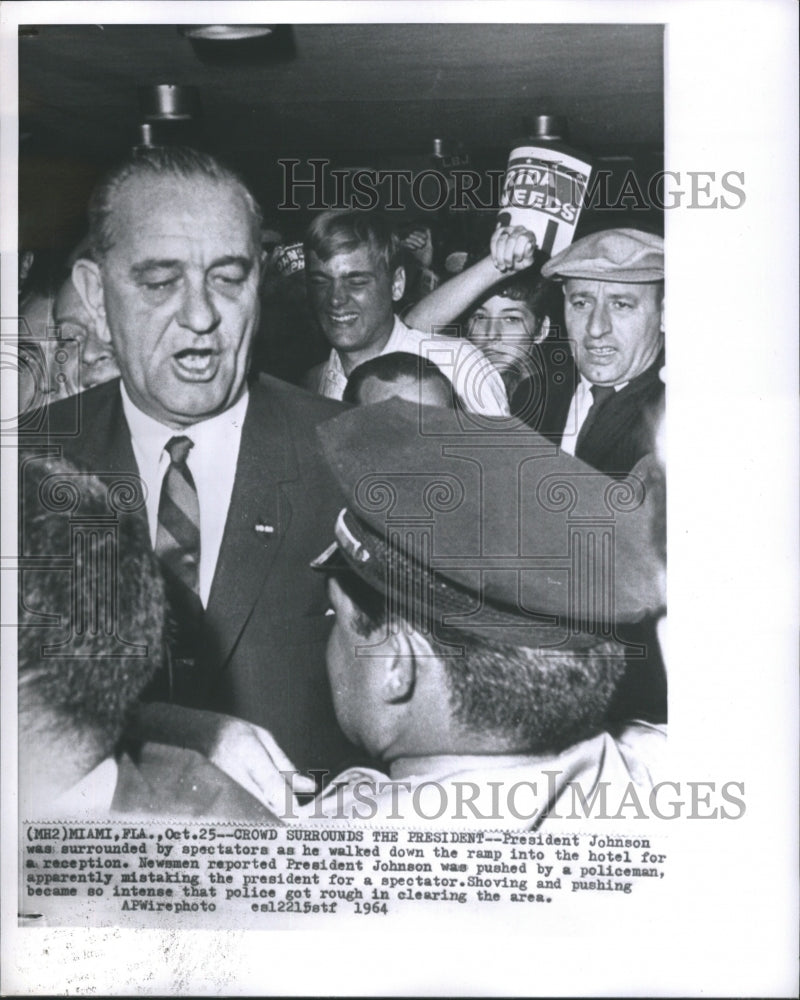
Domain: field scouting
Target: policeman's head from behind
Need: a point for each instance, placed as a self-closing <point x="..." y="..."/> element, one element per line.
<point x="459" y="628"/>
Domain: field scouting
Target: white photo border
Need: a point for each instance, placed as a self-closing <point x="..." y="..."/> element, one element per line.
<point x="727" y="922"/>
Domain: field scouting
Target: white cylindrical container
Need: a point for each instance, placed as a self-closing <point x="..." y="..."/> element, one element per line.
<point x="543" y="191"/>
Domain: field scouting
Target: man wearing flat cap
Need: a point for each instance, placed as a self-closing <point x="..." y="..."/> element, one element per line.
<point x="613" y="285"/>
<point x="614" y="312"/>
<point x="476" y="591"/>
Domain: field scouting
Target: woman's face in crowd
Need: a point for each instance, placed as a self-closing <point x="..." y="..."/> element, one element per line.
<point x="505" y="330"/>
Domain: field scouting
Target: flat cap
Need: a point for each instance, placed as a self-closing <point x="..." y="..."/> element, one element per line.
<point x="491" y="531"/>
<point x="625" y="255"/>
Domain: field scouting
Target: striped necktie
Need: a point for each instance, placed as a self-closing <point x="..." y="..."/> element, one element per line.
<point x="600" y="393"/>
<point x="178" y="533"/>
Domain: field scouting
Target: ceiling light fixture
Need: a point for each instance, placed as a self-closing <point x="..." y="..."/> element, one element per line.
<point x="169" y="102"/>
<point x="225" y="32"/>
<point x="240" y="44"/>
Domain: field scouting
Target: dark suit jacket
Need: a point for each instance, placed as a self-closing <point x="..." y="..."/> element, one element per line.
<point x="622" y="434"/>
<point x="263" y="635"/>
<point x="542" y="398"/>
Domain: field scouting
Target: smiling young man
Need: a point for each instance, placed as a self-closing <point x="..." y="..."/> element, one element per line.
<point x="229" y="477"/>
<point x="614" y="313"/>
<point x="354" y="279"/>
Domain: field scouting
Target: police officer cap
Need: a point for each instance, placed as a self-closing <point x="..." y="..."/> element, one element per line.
<point x="625" y="255"/>
<point x="488" y="529"/>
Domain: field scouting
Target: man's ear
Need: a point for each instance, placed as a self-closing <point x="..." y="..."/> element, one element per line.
<point x="401" y="669"/>
<point x="398" y="283"/>
<point x="88" y="281"/>
<point x="263" y="258"/>
<point x="544" y="329"/>
<point x="662" y="313"/>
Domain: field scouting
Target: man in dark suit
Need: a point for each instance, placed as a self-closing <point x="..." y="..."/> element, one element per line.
<point x="593" y="388"/>
<point x="614" y="314"/>
<point x="227" y="476"/>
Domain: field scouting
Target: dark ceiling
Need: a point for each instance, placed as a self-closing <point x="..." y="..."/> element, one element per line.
<point x="360" y="94"/>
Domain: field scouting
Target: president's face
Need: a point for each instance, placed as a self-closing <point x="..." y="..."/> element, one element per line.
<point x="180" y="295"/>
<point x="616" y="329"/>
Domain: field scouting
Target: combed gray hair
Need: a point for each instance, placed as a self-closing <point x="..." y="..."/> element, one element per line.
<point x="160" y="161"/>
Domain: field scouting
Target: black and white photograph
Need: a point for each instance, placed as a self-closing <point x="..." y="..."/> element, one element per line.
<point x="375" y="378"/>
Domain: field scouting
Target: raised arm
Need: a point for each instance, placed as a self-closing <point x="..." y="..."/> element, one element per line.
<point x="511" y="250"/>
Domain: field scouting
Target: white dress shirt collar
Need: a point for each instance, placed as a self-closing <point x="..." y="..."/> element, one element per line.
<point x="334" y="375"/>
<point x="578" y="411"/>
<point x="150" y="434"/>
<point x="91" y="796"/>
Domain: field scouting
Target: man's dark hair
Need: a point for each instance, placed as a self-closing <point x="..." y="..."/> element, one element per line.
<point x="397" y="366"/>
<point x="543" y="699"/>
<point x="81" y="593"/>
<point x="541" y="296"/>
<point x="338" y="231"/>
<point x="157" y="161"/>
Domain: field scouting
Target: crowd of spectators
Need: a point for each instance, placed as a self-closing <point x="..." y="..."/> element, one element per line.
<point x="243" y="399"/>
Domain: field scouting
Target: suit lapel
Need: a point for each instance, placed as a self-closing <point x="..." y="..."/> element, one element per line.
<point x="104" y="441"/>
<point x="258" y="521"/>
<point x="623" y="417"/>
<point x="118" y="445"/>
<point x="91" y="430"/>
<point x="107" y="450"/>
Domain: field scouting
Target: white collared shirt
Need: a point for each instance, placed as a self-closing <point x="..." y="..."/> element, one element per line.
<point x="212" y="462"/>
<point x="632" y="758"/>
<point x="91" y="796"/>
<point x="578" y="411"/>
<point x="473" y="376"/>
